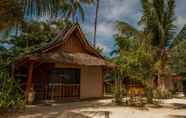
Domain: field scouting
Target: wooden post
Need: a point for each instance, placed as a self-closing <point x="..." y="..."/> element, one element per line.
<point x="12" y="71"/>
<point x="46" y="88"/>
<point x="29" y="80"/>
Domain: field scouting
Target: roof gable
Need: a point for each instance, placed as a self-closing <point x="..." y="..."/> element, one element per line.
<point x="73" y="41"/>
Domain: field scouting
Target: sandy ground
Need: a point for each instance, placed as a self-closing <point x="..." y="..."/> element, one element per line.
<point x="172" y="108"/>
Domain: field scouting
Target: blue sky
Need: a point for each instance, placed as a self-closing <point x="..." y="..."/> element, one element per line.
<point x="127" y="10"/>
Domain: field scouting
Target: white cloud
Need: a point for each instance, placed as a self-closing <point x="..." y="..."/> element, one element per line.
<point x="110" y="11"/>
<point x="105" y="29"/>
<point x="115" y="9"/>
<point x="180" y="22"/>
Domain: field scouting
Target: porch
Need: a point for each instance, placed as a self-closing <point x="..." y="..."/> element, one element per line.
<point x="47" y="82"/>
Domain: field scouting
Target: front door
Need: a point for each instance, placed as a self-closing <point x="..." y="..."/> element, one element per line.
<point x="64" y="83"/>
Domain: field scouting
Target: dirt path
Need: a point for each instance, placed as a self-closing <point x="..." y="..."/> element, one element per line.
<point x="173" y="108"/>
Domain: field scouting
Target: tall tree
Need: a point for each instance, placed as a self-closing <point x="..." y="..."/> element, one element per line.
<point x="158" y="21"/>
<point x="134" y="58"/>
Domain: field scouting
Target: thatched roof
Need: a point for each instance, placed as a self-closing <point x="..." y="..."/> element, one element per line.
<point x="70" y="58"/>
<point x="44" y="54"/>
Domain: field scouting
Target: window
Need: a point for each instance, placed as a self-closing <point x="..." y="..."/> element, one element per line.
<point x="65" y="75"/>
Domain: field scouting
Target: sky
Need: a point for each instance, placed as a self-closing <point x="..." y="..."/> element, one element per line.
<point x="126" y="10"/>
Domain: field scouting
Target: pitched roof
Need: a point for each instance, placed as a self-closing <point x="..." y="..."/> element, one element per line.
<point x="44" y="54"/>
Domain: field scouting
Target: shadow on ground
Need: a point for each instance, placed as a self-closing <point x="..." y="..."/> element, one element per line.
<point x="179" y="106"/>
<point x="177" y="116"/>
<point x="97" y="108"/>
<point x="56" y="109"/>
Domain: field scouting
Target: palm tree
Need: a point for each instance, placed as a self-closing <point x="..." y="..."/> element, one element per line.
<point x="157" y="20"/>
<point x="126" y="31"/>
<point x="54" y="8"/>
<point x="14" y="11"/>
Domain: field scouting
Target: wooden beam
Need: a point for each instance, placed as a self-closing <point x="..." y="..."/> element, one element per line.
<point x="30" y="74"/>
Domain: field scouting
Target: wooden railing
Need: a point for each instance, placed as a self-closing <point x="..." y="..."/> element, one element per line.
<point x="60" y="91"/>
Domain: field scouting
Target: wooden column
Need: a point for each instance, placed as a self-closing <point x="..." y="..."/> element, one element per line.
<point x="30" y="74"/>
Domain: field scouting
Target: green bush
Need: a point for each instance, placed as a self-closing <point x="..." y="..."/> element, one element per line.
<point x="149" y="94"/>
<point x="158" y="94"/>
<point x="10" y="93"/>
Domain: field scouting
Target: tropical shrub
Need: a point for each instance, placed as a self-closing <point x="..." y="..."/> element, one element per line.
<point x="149" y="94"/>
<point x="158" y="94"/>
<point x="135" y="62"/>
<point x="10" y="93"/>
<point x="177" y="59"/>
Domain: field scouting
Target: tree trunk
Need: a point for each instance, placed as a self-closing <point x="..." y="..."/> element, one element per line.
<point x="95" y="23"/>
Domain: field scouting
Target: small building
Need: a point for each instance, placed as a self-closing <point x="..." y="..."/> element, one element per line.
<point x="67" y="68"/>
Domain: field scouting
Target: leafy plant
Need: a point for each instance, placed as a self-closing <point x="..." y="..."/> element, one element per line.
<point x="10" y="93"/>
<point x="177" y="59"/>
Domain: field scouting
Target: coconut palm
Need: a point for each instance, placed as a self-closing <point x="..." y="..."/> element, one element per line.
<point x="126" y="31"/>
<point x="158" y="20"/>
<point x="12" y="11"/>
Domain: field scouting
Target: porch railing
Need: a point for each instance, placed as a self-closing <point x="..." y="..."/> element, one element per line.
<point x="58" y="91"/>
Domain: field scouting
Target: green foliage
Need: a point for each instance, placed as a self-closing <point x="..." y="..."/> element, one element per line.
<point x="11" y="13"/>
<point x="162" y="94"/>
<point x="33" y="36"/>
<point x="134" y="58"/>
<point x="149" y="94"/>
<point x="135" y="55"/>
<point x="177" y="59"/>
<point x="100" y="50"/>
<point x="142" y="55"/>
<point x="10" y="92"/>
<point x="158" y="20"/>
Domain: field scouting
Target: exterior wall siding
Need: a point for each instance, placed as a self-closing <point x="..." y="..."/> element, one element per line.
<point x="91" y="82"/>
